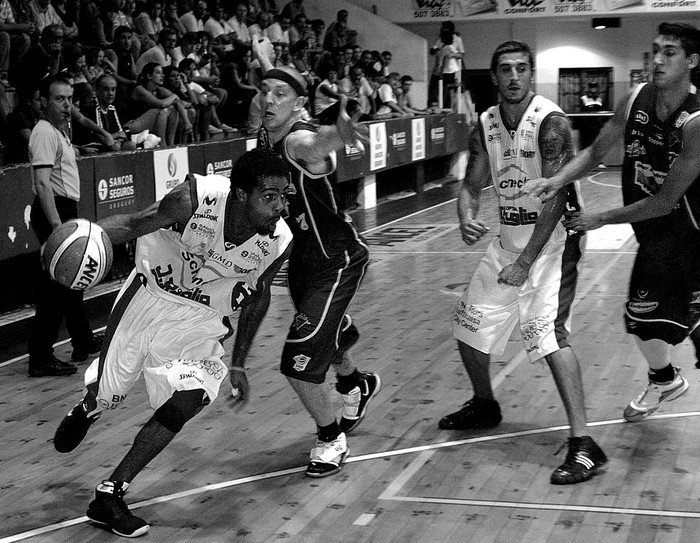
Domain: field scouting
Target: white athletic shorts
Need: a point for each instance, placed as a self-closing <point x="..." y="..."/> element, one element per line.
<point x="488" y="311"/>
<point x="175" y="345"/>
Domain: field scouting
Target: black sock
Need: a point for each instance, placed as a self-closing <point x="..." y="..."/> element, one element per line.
<point x="347" y="382"/>
<point x="663" y="375"/>
<point x="328" y="433"/>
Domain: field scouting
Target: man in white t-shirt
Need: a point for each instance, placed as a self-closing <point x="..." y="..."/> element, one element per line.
<point x="193" y="20"/>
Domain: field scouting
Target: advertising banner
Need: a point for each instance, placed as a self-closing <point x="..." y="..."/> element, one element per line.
<point x="124" y="184"/>
<point x="398" y="134"/>
<point x="418" y="139"/>
<point x="170" y="167"/>
<point x="405" y="11"/>
<point x="435" y="128"/>
<point x="377" y="146"/>
<point x="17" y="235"/>
<point x="352" y="164"/>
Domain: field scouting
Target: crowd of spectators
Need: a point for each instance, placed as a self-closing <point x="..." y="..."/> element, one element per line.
<point x="166" y="72"/>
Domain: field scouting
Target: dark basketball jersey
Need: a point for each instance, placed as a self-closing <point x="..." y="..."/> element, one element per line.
<point x="651" y="146"/>
<point x="321" y="228"/>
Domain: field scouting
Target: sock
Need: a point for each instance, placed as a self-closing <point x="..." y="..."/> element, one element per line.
<point x="347" y="382"/>
<point x="328" y="433"/>
<point x="663" y="375"/>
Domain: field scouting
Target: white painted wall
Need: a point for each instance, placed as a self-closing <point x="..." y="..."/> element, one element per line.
<point x="561" y="44"/>
<point x="409" y="51"/>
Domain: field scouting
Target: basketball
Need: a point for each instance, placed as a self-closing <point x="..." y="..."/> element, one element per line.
<point x="78" y="254"/>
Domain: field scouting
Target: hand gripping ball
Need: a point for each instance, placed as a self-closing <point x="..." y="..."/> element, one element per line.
<point x="78" y="254"/>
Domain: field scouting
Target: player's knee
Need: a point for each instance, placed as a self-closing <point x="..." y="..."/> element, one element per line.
<point x="349" y="335"/>
<point x="182" y="406"/>
<point x="667" y="332"/>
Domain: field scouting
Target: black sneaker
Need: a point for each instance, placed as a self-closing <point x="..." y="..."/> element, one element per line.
<point x="51" y="366"/>
<point x="73" y="428"/>
<point x="82" y="351"/>
<point x="583" y="461"/>
<point x="476" y="414"/>
<point x="108" y="508"/>
<point x="356" y="401"/>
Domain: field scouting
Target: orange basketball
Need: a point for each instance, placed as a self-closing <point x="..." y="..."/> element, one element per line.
<point x="78" y="254"/>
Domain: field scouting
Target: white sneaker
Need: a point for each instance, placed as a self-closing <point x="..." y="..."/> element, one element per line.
<point x="356" y="401"/>
<point x="655" y="393"/>
<point x="327" y="457"/>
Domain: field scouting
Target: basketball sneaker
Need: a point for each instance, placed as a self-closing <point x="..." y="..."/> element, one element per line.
<point x="476" y="414"/>
<point x="584" y="459"/>
<point x="108" y="508"/>
<point x="653" y="394"/>
<point x="73" y="428"/>
<point x="356" y="401"/>
<point x="327" y="457"/>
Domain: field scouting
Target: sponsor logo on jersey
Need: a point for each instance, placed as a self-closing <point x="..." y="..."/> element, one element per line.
<point x="642" y="307"/>
<point x="300" y="362"/>
<point x="517" y="216"/>
<point x="209" y="200"/>
<point x="647" y="179"/>
<point x="681" y="119"/>
<point x="218" y="257"/>
<point x="635" y="149"/>
<point x="228" y="245"/>
<point x="534" y="327"/>
<point x="301" y="221"/>
<point x="527" y="154"/>
<point x="641" y="117"/>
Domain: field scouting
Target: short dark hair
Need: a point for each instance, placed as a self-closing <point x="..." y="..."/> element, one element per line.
<point x="511" y="47"/>
<point x="185" y="63"/>
<point x="254" y="166"/>
<point x="123" y="29"/>
<point x="45" y="86"/>
<point x="190" y="38"/>
<point x="406" y="79"/>
<point x="688" y="35"/>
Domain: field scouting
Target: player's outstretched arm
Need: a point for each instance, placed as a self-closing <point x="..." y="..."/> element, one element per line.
<point x="557" y="148"/>
<point x="176" y="206"/>
<point x="684" y="171"/>
<point x="252" y="315"/>
<point x="314" y="147"/>
<point x="612" y="134"/>
<point x="477" y="177"/>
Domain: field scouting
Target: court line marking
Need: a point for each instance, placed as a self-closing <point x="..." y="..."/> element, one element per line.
<point x="393" y="487"/>
<point x="591" y="178"/>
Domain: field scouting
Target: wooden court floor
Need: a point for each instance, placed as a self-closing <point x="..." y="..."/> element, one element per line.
<point x="236" y="472"/>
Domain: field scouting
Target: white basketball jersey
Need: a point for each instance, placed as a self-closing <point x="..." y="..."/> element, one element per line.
<point x="515" y="158"/>
<point x="198" y="267"/>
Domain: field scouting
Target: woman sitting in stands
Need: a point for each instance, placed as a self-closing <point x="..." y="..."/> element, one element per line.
<point x="155" y="107"/>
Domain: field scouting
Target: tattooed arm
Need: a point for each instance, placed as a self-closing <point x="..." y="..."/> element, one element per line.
<point x="556" y="147"/>
<point x="477" y="177"/>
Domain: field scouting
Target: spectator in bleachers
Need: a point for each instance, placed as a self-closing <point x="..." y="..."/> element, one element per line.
<point x="259" y="27"/>
<point x="299" y="53"/>
<point x="300" y="29"/>
<point x="86" y="134"/>
<point x="239" y="23"/>
<point x="447" y="27"/>
<point x="236" y="77"/>
<point x="282" y="57"/>
<point x="106" y="115"/>
<point x="89" y="23"/>
<point x="148" y="24"/>
<point x="171" y="19"/>
<point x="15" y="40"/>
<point x="268" y="5"/>
<point x="69" y="12"/>
<point x="123" y="64"/>
<point x="293" y="8"/>
<point x="160" y="53"/>
<point x="46" y="57"/>
<point x="385" y="59"/>
<point x="337" y="34"/>
<point x="222" y="34"/>
<point x="189" y="43"/>
<point x="23" y="15"/>
<point x="278" y="32"/>
<point x="96" y="64"/>
<point x="175" y="83"/>
<point x="318" y="29"/>
<point x="357" y="88"/>
<point x="386" y="97"/>
<point x="154" y="106"/>
<point x="207" y="101"/>
<point x="342" y="15"/>
<point x="404" y="98"/>
<point x="45" y="15"/>
<point x="193" y="20"/>
<point x="75" y="65"/>
<point x="19" y="124"/>
<point x="327" y="96"/>
<point x="448" y="59"/>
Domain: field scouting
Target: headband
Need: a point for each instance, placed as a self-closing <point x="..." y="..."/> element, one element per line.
<point x="288" y="78"/>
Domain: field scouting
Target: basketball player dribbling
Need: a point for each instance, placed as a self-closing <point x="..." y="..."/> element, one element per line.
<point x="226" y="244"/>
